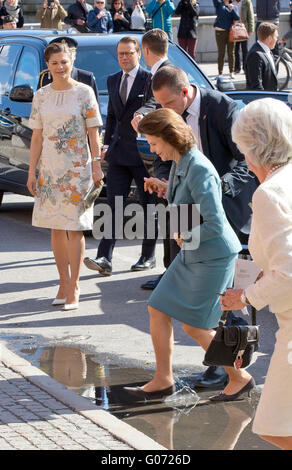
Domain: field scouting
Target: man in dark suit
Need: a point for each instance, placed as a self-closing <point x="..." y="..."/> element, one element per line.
<point x="126" y="93"/>
<point x="261" y="73"/>
<point x="211" y="114"/>
<point x="79" y="75"/>
<point x="155" y="50"/>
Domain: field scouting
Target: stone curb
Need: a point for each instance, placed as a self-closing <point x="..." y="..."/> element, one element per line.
<point x="122" y="431"/>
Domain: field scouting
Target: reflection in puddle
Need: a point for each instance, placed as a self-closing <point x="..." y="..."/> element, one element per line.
<point x="188" y="422"/>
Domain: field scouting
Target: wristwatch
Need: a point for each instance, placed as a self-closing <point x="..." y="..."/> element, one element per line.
<point x="244" y="299"/>
<point x="96" y="159"/>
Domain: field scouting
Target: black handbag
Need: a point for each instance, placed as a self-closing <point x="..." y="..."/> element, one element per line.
<point x="233" y="345"/>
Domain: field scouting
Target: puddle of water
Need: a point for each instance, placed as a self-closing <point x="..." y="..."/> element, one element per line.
<point x="185" y="421"/>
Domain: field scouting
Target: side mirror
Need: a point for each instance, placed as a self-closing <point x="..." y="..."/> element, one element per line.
<point x="22" y="93"/>
<point x="225" y="84"/>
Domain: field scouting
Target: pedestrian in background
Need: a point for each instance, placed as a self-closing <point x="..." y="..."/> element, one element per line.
<point x="226" y="13"/>
<point x="246" y="13"/>
<point x="268" y="11"/>
<point x="187" y="36"/>
<point x="161" y="11"/>
<point x="99" y="19"/>
<point x="51" y="14"/>
<point x="12" y="8"/>
<point x="64" y="113"/>
<point x="77" y="16"/>
<point x="261" y="72"/>
<point x="120" y="16"/>
<point x="263" y="132"/>
<point x="9" y="22"/>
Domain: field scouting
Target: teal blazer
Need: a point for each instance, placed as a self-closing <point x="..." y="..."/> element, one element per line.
<point x="194" y="180"/>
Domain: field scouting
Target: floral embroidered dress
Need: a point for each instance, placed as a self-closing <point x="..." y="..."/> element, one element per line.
<point x="65" y="172"/>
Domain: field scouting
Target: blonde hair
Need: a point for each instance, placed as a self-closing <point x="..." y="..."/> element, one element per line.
<point x="170" y="126"/>
<point x="263" y="132"/>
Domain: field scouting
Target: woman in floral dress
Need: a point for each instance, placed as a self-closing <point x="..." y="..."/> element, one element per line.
<point x="63" y="114"/>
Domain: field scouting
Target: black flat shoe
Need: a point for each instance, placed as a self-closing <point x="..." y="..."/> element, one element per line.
<point x="235" y="396"/>
<point x="150" y="285"/>
<point x="138" y="392"/>
<point x="144" y="263"/>
<point x="214" y="376"/>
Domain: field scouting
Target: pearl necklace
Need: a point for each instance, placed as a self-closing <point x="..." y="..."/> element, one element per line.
<point x="274" y="168"/>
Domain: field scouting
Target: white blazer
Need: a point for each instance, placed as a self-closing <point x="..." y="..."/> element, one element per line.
<point x="270" y="242"/>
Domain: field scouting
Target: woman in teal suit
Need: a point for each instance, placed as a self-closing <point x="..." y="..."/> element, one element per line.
<point x="205" y="265"/>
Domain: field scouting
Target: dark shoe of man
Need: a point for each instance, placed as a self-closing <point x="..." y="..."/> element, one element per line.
<point x="237" y="70"/>
<point x="214" y="376"/>
<point x="102" y="265"/>
<point x="144" y="263"/>
<point x="150" y="285"/>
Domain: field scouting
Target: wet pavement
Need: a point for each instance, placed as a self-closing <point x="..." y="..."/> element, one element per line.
<point x="189" y="422"/>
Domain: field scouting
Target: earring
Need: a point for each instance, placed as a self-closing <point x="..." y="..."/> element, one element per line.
<point x="49" y="75"/>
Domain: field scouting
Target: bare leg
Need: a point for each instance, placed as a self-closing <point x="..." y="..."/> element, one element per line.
<point x="76" y="249"/>
<point x="284" y="442"/>
<point x="237" y="377"/>
<point x="60" y="249"/>
<point x="162" y="338"/>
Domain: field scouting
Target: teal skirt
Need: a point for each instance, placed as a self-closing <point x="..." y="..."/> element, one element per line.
<point x="188" y="291"/>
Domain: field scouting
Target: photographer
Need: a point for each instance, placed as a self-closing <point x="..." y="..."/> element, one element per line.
<point x="77" y="16"/>
<point x="226" y="13"/>
<point x="188" y="10"/>
<point x="51" y="14"/>
<point x="13" y="9"/>
<point x="120" y="16"/>
<point x="99" y="19"/>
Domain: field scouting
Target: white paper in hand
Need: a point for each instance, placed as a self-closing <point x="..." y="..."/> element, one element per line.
<point x="246" y="273"/>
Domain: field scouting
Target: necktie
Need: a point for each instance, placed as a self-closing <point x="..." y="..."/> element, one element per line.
<point x="185" y="115"/>
<point x="124" y="89"/>
<point x="147" y="88"/>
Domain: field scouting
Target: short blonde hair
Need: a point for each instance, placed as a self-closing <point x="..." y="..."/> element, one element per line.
<point x="170" y="126"/>
<point x="263" y="132"/>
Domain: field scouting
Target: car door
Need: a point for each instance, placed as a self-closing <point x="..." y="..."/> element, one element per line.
<point x="9" y="54"/>
<point x="26" y="73"/>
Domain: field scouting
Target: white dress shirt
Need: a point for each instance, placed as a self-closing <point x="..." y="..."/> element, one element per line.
<point x="157" y="64"/>
<point x="269" y="54"/>
<point x="132" y="75"/>
<point x="193" y="117"/>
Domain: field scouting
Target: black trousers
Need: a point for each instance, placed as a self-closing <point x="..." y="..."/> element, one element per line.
<point x="243" y="46"/>
<point x="119" y="179"/>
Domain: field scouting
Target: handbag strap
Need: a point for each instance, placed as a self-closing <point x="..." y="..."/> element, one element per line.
<point x="158" y="10"/>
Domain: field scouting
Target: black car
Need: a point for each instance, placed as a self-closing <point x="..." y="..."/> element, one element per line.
<point x="21" y="61"/>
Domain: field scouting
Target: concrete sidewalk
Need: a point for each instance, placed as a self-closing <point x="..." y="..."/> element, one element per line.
<point x="38" y="413"/>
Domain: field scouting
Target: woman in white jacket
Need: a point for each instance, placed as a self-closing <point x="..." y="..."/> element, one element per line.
<point x="263" y="132"/>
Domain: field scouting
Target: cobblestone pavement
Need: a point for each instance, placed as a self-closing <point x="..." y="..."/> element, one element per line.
<point x="31" y="419"/>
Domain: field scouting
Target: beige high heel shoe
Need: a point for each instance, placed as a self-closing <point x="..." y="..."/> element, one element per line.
<point x="74" y="306"/>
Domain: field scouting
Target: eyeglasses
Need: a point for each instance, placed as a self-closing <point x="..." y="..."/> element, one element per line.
<point x="126" y="54"/>
<point x="99" y="3"/>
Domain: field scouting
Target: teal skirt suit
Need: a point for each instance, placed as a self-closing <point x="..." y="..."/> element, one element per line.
<point x="188" y="290"/>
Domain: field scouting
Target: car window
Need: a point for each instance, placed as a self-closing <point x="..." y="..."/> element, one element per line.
<point x="8" y="57"/>
<point x="103" y="62"/>
<point x="28" y="68"/>
<point x="180" y="60"/>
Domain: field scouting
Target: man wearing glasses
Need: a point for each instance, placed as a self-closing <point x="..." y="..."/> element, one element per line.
<point x="77" y="16"/>
<point x="126" y="95"/>
<point x="99" y="19"/>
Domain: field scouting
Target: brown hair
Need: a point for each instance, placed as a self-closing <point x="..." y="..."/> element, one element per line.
<point x="157" y="41"/>
<point x="266" y="29"/>
<point x="127" y="39"/>
<point x="171" y="77"/>
<point x="170" y="126"/>
<point x="122" y="4"/>
<point x="55" y="48"/>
